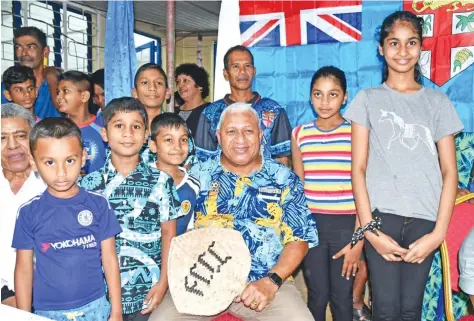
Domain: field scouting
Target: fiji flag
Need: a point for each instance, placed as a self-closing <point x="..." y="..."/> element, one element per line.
<point x="290" y="40"/>
<point x="277" y="23"/>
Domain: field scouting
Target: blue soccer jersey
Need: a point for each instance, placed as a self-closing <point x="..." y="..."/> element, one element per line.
<point x="187" y="189"/>
<point x="65" y="235"/>
<point x="94" y="145"/>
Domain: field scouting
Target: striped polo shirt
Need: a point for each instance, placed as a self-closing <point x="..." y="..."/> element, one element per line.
<point x="326" y="157"/>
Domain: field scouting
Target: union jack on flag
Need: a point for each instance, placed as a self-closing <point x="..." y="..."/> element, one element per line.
<point x="290" y="23"/>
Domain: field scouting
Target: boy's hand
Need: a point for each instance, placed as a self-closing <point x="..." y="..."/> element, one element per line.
<point x="154" y="297"/>
<point x="116" y="317"/>
<point x="351" y="259"/>
<point x="51" y="74"/>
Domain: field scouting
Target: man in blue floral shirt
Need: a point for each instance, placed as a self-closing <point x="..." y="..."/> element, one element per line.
<point x="263" y="200"/>
<point x="145" y="203"/>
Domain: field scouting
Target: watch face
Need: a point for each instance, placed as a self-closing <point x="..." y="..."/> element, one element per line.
<point x="275" y="278"/>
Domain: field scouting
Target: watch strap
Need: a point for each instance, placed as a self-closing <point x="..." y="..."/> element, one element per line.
<point x="275" y="278"/>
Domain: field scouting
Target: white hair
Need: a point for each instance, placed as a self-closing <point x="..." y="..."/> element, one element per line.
<point x="241" y="107"/>
<point x="11" y="110"/>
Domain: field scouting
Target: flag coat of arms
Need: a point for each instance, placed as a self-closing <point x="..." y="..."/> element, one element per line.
<point x="448" y="37"/>
<point x="290" y="40"/>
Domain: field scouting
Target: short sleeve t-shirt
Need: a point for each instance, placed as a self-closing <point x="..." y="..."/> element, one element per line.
<point x="94" y="145"/>
<point x="65" y="235"/>
<point x="403" y="172"/>
<point x="326" y="156"/>
<point x="187" y="189"/>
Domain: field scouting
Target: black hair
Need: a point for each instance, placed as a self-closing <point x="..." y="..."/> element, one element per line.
<point x="387" y="27"/>
<point x="236" y="48"/>
<point x="98" y="77"/>
<point x="166" y="120"/>
<point x="333" y="72"/>
<point x="150" y="66"/>
<point x="18" y="74"/>
<point x="82" y="81"/>
<point x="124" y="105"/>
<point x="177" y="99"/>
<point x="34" y="32"/>
<point x="54" y="127"/>
<point x="198" y="74"/>
<point x="79" y="78"/>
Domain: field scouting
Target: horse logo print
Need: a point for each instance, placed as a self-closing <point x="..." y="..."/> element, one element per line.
<point x="409" y="135"/>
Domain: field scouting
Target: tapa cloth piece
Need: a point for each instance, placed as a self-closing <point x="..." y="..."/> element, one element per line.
<point x="207" y="269"/>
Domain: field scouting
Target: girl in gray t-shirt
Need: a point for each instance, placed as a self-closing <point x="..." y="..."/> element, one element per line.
<point x="403" y="171"/>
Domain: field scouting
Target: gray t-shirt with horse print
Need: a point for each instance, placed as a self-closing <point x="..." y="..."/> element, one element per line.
<point x="403" y="172"/>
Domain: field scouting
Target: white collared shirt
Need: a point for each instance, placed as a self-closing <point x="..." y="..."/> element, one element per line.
<point x="9" y="205"/>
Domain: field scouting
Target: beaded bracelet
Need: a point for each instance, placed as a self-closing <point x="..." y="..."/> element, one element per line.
<point x="372" y="226"/>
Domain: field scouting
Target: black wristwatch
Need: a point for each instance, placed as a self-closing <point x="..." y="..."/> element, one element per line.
<point x="275" y="278"/>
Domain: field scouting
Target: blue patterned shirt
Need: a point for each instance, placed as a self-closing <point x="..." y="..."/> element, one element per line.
<point x="273" y="121"/>
<point x="142" y="200"/>
<point x="268" y="207"/>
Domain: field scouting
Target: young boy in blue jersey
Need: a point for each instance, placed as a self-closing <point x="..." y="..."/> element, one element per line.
<point x="20" y="87"/>
<point x="146" y="204"/>
<point x="74" y="97"/>
<point x="69" y="231"/>
<point x="170" y="140"/>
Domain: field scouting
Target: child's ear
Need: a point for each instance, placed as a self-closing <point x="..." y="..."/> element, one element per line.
<point x="103" y="133"/>
<point x="7" y="95"/>
<point x="147" y="133"/>
<point x="345" y="98"/>
<point x="152" y="145"/>
<point x="84" y="157"/>
<point x="167" y="94"/>
<point x="380" y="50"/>
<point x="134" y="93"/>
<point x="32" y="163"/>
<point x="85" y="96"/>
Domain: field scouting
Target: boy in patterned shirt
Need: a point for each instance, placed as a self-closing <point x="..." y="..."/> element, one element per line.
<point x="146" y="204"/>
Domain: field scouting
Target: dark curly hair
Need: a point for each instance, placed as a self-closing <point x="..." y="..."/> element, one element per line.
<point x="198" y="74"/>
<point x="18" y="74"/>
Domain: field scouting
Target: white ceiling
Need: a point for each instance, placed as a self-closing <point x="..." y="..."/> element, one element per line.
<point x="191" y="16"/>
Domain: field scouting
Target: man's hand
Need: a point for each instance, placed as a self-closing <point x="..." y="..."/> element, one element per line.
<point x="351" y="259"/>
<point x="154" y="297"/>
<point x="424" y="246"/>
<point x="258" y="294"/>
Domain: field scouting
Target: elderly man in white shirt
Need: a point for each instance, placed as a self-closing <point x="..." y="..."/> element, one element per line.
<point x="18" y="184"/>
